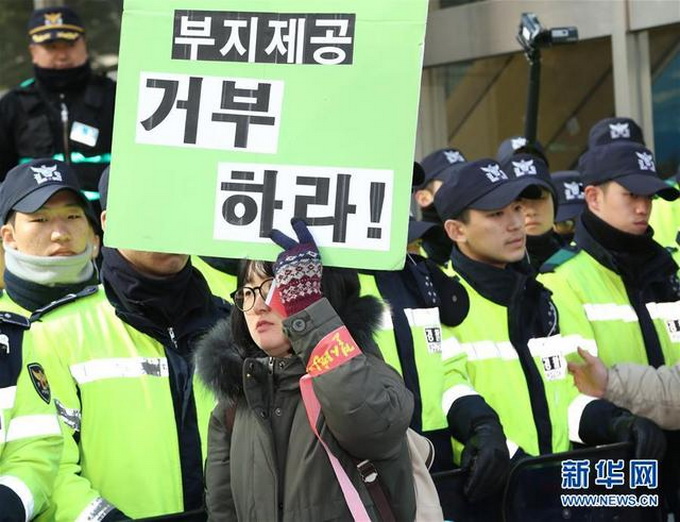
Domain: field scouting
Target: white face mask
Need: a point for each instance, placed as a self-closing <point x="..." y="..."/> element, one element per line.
<point x="50" y="270"/>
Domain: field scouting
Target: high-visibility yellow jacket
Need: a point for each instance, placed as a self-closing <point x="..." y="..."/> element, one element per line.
<point x="527" y="382"/>
<point x="426" y="331"/>
<point x="639" y="324"/>
<point x="30" y="436"/>
<point x="113" y="386"/>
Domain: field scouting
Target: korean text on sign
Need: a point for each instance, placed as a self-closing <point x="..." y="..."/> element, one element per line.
<point x="253" y="198"/>
<point x="309" y="38"/>
<point x="209" y="112"/>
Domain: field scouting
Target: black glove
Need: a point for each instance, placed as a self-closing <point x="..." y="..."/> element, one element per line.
<point x="602" y="422"/>
<point x="486" y="457"/>
<point x="473" y="422"/>
<point x="648" y="439"/>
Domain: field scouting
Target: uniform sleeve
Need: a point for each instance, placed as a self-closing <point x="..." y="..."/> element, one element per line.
<point x="219" y="500"/>
<point x="73" y="497"/>
<point x="33" y="442"/>
<point x="365" y="403"/>
<point x="647" y="391"/>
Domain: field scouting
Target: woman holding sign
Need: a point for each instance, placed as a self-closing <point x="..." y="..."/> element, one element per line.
<point x="302" y="386"/>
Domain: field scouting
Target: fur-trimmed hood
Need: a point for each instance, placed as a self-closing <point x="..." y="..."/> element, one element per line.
<point x="219" y="360"/>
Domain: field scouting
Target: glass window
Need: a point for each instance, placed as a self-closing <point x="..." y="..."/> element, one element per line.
<point x="486" y="100"/>
<point x="665" y="57"/>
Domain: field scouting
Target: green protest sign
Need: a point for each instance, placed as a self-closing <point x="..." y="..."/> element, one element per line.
<point x="231" y="118"/>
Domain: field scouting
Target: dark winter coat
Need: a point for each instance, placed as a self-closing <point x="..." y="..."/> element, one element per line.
<point x="266" y="464"/>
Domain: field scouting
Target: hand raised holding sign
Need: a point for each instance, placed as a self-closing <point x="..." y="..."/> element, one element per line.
<point x="297" y="270"/>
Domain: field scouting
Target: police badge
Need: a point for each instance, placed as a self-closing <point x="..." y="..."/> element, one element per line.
<point x="39" y="380"/>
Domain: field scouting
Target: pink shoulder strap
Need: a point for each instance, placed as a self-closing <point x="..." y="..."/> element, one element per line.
<point x="313" y="409"/>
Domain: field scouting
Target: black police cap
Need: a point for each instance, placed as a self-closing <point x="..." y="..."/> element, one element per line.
<point x="54" y="23"/>
<point x="519" y="144"/>
<point x="570" y="197"/>
<point x="610" y="130"/>
<point x="435" y="164"/>
<point x="629" y="164"/>
<point x="531" y="169"/>
<point x="28" y="186"/>
<point x="481" y="185"/>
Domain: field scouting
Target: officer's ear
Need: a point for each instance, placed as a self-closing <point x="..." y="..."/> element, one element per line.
<point x="594" y="196"/>
<point x="456" y="230"/>
<point x="96" y="245"/>
<point x="33" y="49"/>
<point x="102" y="218"/>
<point x="7" y="234"/>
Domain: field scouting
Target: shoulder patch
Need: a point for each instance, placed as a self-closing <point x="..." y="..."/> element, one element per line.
<point x="559" y="258"/>
<point x="39" y="380"/>
<point x="68" y="298"/>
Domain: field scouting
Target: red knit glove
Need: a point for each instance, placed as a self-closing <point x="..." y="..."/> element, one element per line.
<point x="297" y="270"/>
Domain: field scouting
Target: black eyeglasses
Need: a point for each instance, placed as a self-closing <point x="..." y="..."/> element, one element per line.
<point x="244" y="298"/>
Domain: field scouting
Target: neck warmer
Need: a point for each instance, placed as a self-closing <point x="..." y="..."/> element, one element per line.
<point x="495" y="284"/>
<point x="540" y="248"/>
<point x="60" y="80"/>
<point x="163" y="301"/>
<point x="22" y="279"/>
<point x="50" y="270"/>
<point x="630" y="252"/>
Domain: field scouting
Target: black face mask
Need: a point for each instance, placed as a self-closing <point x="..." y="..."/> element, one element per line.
<point x="61" y="80"/>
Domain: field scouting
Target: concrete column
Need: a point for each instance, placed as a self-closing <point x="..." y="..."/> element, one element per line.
<point x="432" y="130"/>
<point x="631" y="71"/>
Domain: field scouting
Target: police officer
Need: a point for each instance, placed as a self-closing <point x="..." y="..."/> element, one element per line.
<point x="411" y="333"/>
<point x="570" y="202"/>
<point x="618" y="279"/>
<point x="665" y="220"/>
<point x="120" y="360"/>
<point x="507" y="389"/>
<point x="30" y="436"/>
<point x="542" y="242"/>
<point x="435" y="167"/>
<point x="48" y="235"/>
<point x="65" y="111"/>
<point x="618" y="283"/>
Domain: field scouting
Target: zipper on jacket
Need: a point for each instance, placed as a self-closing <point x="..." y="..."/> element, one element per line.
<point x="171" y="333"/>
<point x="64" y="129"/>
<point x="279" y="486"/>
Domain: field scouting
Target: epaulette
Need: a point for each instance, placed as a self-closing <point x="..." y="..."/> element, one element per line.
<point x="68" y="298"/>
<point x="560" y="257"/>
<point x="15" y="319"/>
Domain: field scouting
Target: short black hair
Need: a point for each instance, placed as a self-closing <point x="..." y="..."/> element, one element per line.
<point x="464" y="216"/>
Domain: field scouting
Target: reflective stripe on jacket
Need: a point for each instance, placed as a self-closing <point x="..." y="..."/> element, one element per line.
<point x="30" y="436"/>
<point x="113" y="387"/>
<point x="479" y="358"/>
<point x="593" y="298"/>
